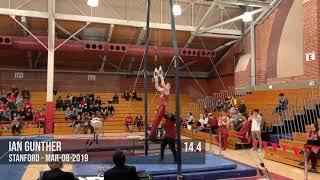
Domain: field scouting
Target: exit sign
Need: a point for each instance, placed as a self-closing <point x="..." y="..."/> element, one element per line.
<point x="311" y="56"/>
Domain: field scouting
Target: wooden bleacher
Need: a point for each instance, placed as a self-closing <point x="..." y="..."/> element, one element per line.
<point x="112" y="124"/>
<point x="288" y="157"/>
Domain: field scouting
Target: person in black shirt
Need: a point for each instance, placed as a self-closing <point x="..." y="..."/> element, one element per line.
<point x="110" y="109"/>
<point x="26" y="93"/>
<point x="126" y="95"/>
<point x="59" y="104"/>
<point x="120" y="171"/>
<point x="98" y="101"/>
<point x="55" y="172"/>
<point x="115" y="98"/>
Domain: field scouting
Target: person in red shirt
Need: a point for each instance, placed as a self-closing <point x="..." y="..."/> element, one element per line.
<point x="170" y="136"/>
<point x="15" y="91"/>
<point x="3" y="107"/>
<point x="213" y="123"/>
<point x="40" y="118"/>
<point x="129" y="122"/>
<point x="27" y="105"/>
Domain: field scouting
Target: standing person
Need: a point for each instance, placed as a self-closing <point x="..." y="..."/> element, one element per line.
<point x="256" y="120"/>
<point x="223" y="123"/>
<point x="169" y="137"/>
<point x="164" y="89"/>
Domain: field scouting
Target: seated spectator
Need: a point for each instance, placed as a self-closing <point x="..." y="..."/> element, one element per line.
<point x="98" y="101"/>
<point x="55" y="91"/>
<point x="120" y="171"/>
<point x="68" y="113"/>
<point x="16" y="126"/>
<point x="313" y="152"/>
<point x="201" y="121"/>
<point x="126" y="95"/>
<point x="139" y="122"/>
<point x="283" y="104"/>
<point x="219" y="105"/>
<point x="14" y="91"/>
<point x="2" y="117"/>
<point x="56" y="173"/>
<point x="28" y="115"/>
<point x="67" y="102"/>
<point x="134" y="95"/>
<point x="3" y="106"/>
<point x="236" y="118"/>
<point x="223" y="123"/>
<point x="206" y="111"/>
<point x="7" y="114"/>
<point x="27" y="105"/>
<point x="129" y="121"/>
<point x="110" y="109"/>
<point x="233" y="101"/>
<point x="3" y="97"/>
<point x="242" y="107"/>
<point x="40" y="118"/>
<point x="19" y="102"/>
<point x="190" y="119"/>
<point x="115" y="99"/>
<point x="11" y="101"/>
<point x="104" y="112"/>
<point x="25" y="93"/>
<point x="59" y="104"/>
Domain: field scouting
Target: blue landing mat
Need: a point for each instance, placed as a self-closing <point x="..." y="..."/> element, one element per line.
<point x="213" y="163"/>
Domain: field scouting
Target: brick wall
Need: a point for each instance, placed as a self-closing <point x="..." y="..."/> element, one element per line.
<point x="311" y="12"/>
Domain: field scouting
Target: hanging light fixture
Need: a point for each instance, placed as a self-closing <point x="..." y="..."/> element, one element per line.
<point x="93" y="3"/>
<point x="176" y="10"/>
<point x="247" y="17"/>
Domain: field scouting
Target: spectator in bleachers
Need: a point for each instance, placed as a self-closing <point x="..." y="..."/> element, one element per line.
<point x="223" y="123"/>
<point x="126" y="95"/>
<point x="98" y="101"/>
<point x="3" y="96"/>
<point x="110" y="110"/>
<point x="115" y="99"/>
<point x="134" y="95"/>
<point x="14" y="91"/>
<point x="139" y="122"/>
<point x="104" y="112"/>
<point x="129" y="122"/>
<point x="120" y="171"/>
<point x="68" y="113"/>
<point x="2" y="117"/>
<point x="233" y="101"/>
<point x="236" y="118"/>
<point x="3" y="106"/>
<point x="206" y="110"/>
<point x="7" y="114"/>
<point x="190" y="119"/>
<point x="16" y="126"/>
<point x="19" y="102"/>
<point x="219" y="105"/>
<point x="283" y="104"/>
<point x="27" y="105"/>
<point x="256" y="119"/>
<point x="242" y="107"/>
<point x="11" y="101"/>
<point x="67" y="102"/>
<point x="40" y="118"/>
<point x="28" y="115"/>
<point x="55" y="91"/>
<point x="59" y="104"/>
<point x="25" y="93"/>
<point x="200" y="121"/>
<point x="312" y="144"/>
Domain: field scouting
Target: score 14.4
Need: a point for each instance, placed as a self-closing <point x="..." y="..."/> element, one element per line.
<point x="191" y="146"/>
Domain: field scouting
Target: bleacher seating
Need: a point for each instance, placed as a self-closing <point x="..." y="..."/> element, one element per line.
<point x="111" y="124"/>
